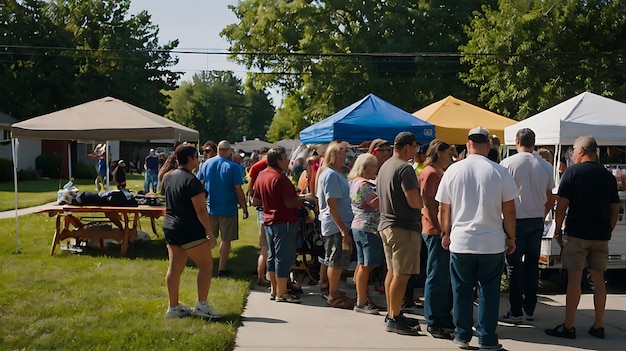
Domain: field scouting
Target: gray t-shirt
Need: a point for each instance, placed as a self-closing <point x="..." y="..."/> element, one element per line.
<point x="394" y="178"/>
<point x="332" y="184"/>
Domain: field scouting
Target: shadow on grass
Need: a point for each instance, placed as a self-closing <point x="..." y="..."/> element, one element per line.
<point x="242" y="260"/>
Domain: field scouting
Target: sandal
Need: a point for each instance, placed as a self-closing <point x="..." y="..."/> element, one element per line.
<point x="288" y="298"/>
<point x="342" y="301"/>
<point x="324" y="291"/>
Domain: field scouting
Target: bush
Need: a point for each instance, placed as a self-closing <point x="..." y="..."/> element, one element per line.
<point x="6" y="170"/>
<point x="26" y="174"/>
<point x="83" y="171"/>
<point x="50" y="165"/>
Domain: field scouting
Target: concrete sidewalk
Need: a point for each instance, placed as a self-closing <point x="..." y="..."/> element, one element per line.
<point x="24" y="211"/>
<point x="268" y="325"/>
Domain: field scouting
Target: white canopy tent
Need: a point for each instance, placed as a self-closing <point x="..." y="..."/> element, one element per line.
<point x="584" y="114"/>
<point x="103" y="119"/>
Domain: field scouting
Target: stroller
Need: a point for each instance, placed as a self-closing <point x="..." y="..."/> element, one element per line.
<point x="310" y="247"/>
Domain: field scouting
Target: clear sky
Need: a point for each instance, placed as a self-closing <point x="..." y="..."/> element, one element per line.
<point x="196" y="24"/>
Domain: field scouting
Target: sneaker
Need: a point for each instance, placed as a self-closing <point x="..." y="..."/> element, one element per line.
<point x="179" y="311"/>
<point x="529" y="317"/>
<point x="461" y="344"/>
<point x="561" y="332"/>
<point x="492" y="347"/>
<point x="203" y="310"/>
<point x="366" y="308"/>
<point x="397" y="325"/>
<point x="509" y="318"/>
<point x="597" y="332"/>
<point x="376" y="306"/>
<point x="439" y="333"/>
<point x="411" y="322"/>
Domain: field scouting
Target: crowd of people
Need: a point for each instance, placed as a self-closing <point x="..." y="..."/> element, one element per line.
<point x="468" y="213"/>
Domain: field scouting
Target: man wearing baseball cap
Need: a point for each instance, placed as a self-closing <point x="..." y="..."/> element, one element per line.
<point x="474" y="196"/>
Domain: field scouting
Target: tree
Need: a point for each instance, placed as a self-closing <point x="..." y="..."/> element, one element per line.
<point x="526" y="56"/>
<point x="288" y="121"/>
<point x="332" y="53"/>
<point x="218" y="106"/>
<point x="62" y="53"/>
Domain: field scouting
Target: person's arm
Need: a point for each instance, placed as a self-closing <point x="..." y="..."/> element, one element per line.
<point x="413" y="198"/>
<point x="549" y="203"/>
<point x="614" y="214"/>
<point x="445" y="222"/>
<point x="199" y="205"/>
<point x="508" y="213"/>
<point x="562" y="203"/>
<point x="241" y="199"/>
<point x="432" y="206"/>
<point x="256" y="201"/>
<point x="336" y="216"/>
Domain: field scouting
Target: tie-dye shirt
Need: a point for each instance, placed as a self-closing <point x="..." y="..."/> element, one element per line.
<point x="362" y="194"/>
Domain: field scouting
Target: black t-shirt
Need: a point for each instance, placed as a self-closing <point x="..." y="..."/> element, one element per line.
<point x="180" y="215"/>
<point x="591" y="190"/>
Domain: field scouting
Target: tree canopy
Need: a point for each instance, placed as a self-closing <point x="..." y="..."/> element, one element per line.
<point x="219" y="106"/>
<point x="61" y="53"/>
<point x="526" y="56"/>
<point x="332" y="53"/>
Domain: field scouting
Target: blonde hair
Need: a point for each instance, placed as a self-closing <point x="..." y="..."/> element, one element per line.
<point x="330" y="157"/>
<point x="362" y="162"/>
<point x="435" y="146"/>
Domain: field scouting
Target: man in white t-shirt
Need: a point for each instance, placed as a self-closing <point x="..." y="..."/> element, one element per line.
<point x="475" y="195"/>
<point x="534" y="179"/>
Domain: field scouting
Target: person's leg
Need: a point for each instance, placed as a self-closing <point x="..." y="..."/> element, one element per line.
<point x="155" y="181"/>
<point x="177" y="261"/>
<point x="572" y="299"/>
<point x="229" y="229"/>
<point x="334" y="276"/>
<point x="361" y="273"/>
<point x="395" y="295"/>
<point x="146" y="182"/>
<point x="515" y="270"/>
<point x="531" y="268"/>
<point x="437" y="289"/>
<point x="489" y="273"/>
<point x="271" y="261"/>
<point x="599" y="297"/>
<point x="224" y="252"/>
<point x="201" y="256"/>
<point x="285" y="240"/>
<point x="463" y="275"/>
<point x="262" y="260"/>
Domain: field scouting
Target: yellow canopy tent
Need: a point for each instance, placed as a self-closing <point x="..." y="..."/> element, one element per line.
<point x="453" y="118"/>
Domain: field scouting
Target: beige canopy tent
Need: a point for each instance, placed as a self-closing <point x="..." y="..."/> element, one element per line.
<point x="453" y="118"/>
<point x="103" y="119"/>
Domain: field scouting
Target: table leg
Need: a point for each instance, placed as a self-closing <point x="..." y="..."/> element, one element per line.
<point x="57" y="231"/>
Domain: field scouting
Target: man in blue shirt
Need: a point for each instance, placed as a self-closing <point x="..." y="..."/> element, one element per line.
<point x="222" y="180"/>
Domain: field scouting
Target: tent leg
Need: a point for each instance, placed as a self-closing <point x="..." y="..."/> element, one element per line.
<point x="14" y="146"/>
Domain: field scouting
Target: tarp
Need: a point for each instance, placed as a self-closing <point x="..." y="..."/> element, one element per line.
<point x="251" y="145"/>
<point x="584" y="114"/>
<point x="367" y="119"/>
<point x="453" y="118"/>
<point x="103" y="119"/>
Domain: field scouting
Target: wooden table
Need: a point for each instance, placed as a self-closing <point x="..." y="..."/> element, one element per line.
<point x="74" y="225"/>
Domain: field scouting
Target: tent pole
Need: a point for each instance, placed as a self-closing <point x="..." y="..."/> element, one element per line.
<point x="69" y="160"/>
<point x="14" y="145"/>
<point x="106" y="158"/>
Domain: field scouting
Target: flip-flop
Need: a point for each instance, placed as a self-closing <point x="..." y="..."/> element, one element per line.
<point x="288" y="298"/>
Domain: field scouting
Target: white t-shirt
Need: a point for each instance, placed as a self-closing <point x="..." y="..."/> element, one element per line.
<point x="533" y="177"/>
<point x="475" y="189"/>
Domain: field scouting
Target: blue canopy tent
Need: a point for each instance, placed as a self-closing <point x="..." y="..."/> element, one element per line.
<point x="367" y="119"/>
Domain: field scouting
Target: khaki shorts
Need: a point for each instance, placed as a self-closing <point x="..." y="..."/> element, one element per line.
<point x="226" y="226"/>
<point x="577" y="251"/>
<point x="402" y="250"/>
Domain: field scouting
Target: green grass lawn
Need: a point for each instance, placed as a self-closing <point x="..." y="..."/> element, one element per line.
<point x="99" y="301"/>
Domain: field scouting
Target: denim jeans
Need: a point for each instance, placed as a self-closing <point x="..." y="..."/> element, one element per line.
<point x="524" y="275"/>
<point x="150" y="178"/>
<point x="437" y="289"/>
<point x="467" y="270"/>
<point x="281" y="239"/>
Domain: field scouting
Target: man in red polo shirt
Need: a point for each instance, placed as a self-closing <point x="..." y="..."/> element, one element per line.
<point x="278" y="196"/>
